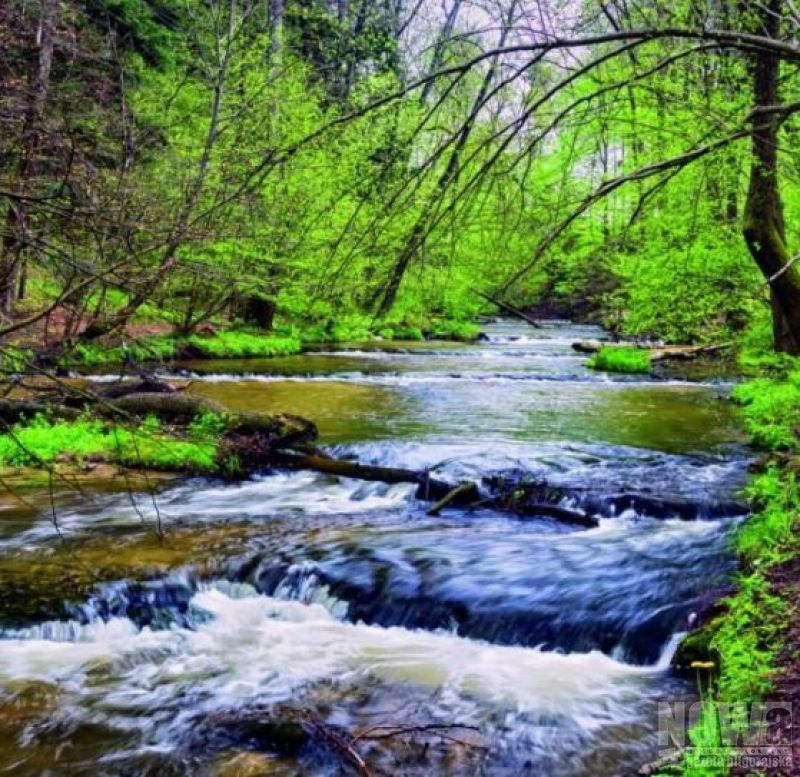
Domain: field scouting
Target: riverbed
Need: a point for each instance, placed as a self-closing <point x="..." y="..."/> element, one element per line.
<point x="534" y="647"/>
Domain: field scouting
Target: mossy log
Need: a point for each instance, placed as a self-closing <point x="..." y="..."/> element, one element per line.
<point x="172" y="408"/>
<point x="14" y="410"/>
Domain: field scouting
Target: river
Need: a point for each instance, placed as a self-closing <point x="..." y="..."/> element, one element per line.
<point x="297" y="596"/>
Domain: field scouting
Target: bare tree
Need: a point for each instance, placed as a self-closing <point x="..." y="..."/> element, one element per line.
<point x="16" y="239"/>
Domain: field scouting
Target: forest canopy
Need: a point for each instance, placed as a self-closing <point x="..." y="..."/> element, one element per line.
<point x="310" y="164"/>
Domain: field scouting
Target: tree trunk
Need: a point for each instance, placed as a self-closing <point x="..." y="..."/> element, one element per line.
<point x="384" y="298"/>
<point x="276" y="9"/>
<point x="38" y="85"/>
<point x="764" y="229"/>
<point x="439" y="48"/>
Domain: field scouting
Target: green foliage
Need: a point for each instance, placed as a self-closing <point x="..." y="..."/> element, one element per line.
<point x="360" y="328"/>
<point x="206" y="426"/>
<point x="448" y="329"/>
<point x="772" y="410"/>
<point x="238" y="345"/>
<point x="42" y="442"/>
<point x="768" y="538"/>
<point x="620" y="359"/>
<point x="750" y="635"/>
<point x="14" y="359"/>
<point x="406" y="333"/>
<point x="142" y="350"/>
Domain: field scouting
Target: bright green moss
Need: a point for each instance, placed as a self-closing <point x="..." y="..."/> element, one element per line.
<point x="621" y="359"/>
<point x="146" y="349"/>
<point x="238" y="345"/>
<point x="41" y="442"/>
<point x="446" y="329"/>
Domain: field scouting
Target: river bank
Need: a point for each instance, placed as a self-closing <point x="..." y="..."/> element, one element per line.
<point x="747" y="654"/>
<point x="153" y="342"/>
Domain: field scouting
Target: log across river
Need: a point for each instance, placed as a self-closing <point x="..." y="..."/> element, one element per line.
<point x="307" y="623"/>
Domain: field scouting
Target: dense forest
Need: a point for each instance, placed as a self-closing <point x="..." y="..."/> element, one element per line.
<point x="400" y="387"/>
<point x="346" y="164"/>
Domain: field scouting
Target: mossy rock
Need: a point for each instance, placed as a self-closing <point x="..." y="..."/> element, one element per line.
<point x="696" y="651"/>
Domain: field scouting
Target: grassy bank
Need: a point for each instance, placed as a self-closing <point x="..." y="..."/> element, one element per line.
<point x="220" y="345"/>
<point x="286" y="340"/>
<point x="749" y="642"/>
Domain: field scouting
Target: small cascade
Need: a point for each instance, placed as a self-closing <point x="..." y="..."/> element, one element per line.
<point x="549" y="643"/>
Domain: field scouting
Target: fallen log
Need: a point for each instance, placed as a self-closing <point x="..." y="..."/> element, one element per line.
<point x="444" y="494"/>
<point x="146" y="385"/>
<point x="657" y="353"/>
<point x="686" y="352"/>
<point x="561" y="514"/>
<point x="14" y="410"/>
<point x="428" y="488"/>
<point x="166" y="407"/>
<point x="658" y="507"/>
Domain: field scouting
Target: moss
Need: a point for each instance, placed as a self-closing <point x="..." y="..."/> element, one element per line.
<point x="221" y="345"/>
<point x="448" y="329"/>
<point x="160" y="348"/>
<point x="697" y="647"/>
<point x="38" y="582"/>
<point x="41" y="442"/>
<point x="621" y="359"/>
<point x="238" y="345"/>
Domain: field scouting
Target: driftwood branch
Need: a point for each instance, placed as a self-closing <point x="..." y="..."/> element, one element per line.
<point x="462" y="491"/>
<point x="510" y="309"/>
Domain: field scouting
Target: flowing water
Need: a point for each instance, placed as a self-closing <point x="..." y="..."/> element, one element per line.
<point x="306" y="595"/>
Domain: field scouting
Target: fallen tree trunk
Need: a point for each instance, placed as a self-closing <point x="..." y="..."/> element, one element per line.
<point x="430" y="489"/>
<point x="14" y="410"/>
<point x="166" y="407"/>
<point x="657" y="353"/>
<point x="681" y="352"/>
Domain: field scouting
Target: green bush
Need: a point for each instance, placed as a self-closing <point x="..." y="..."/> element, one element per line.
<point x="407" y="333"/>
<point x="621" y="359"/>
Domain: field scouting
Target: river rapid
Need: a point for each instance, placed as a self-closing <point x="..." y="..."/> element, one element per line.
<point x="340" y="604"/>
